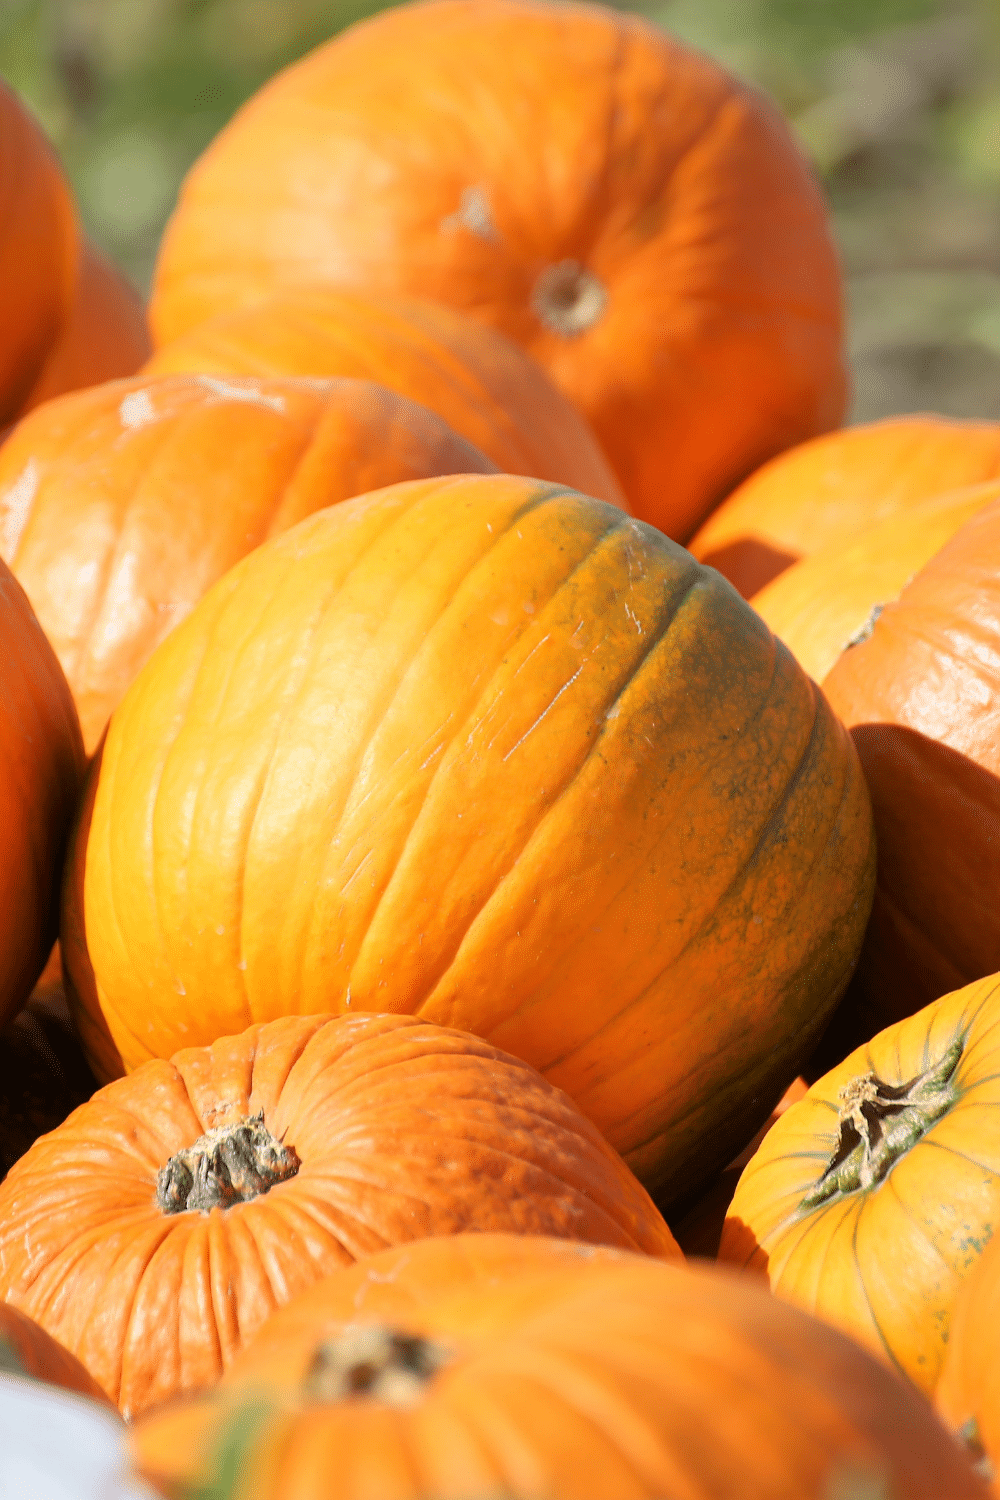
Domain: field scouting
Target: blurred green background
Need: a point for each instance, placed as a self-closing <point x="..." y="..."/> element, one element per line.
<point x="897" y="103"/>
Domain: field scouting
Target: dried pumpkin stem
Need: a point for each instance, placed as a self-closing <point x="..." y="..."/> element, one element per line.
<point x="879" y="1122"/>
<point x="375" y="1361"/>
<point x="232" y="1164"/>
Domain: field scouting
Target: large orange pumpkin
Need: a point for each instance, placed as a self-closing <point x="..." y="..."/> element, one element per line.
<point x="38" y="252"/>
<point x="828" y="602"/>
<point x="636" y="218"/>
<point x="828" y="491"/>
<point x="120" y="505"/>
<point x="480" y="1365"/>
<point x="155" y="1230"/>
<point x="483" y="385"/>
<point x="104" y="335"/>
<point x="491" y="752"/>
<point x="41" y="770"/>
<point x="921" y="695"/>
<point x="872" y="1198"/>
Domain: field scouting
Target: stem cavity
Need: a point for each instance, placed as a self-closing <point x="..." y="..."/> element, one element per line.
<point x="232" y="1164"/>
<point x="879" y="1122"/>
<point x="377" y="1362"/>
<point x="568" y="298"/>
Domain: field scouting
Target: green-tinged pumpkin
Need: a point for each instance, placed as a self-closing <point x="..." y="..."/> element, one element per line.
<point x="490" y="752"/>
<point x="484" y="1365"/>
<point x="870" y="1201"/>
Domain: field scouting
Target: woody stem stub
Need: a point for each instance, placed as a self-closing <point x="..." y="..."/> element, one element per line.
<point x="880" y="1122"/>
<point x="232" y="1164"/>
<point x="381" y="1363"/>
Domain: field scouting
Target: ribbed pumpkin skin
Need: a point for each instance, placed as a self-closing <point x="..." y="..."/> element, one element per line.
<point x="121" y="505"/>
<point x="824" y="602"/>
<point x="41" y="772"/>
<point x="885" y="1262"/>
<point x="922" y="699"/>
<point x="403" y="1129"/>
<point x="531" y="141"/>
<point x="612" y="1376"/>
<point x="38" y="252"/>
<point x="492" y="753"/>
<point x="25" y="1348"/>
<point x="481" y="383"/>
<point x="827" y="491"/>
<point x="104" y="336"/>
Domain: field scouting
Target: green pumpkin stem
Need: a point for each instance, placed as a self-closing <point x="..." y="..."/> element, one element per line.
<point x="879" y="1122"/>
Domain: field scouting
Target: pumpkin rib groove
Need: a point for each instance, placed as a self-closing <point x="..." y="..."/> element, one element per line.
<point x="537" y="499"/>
<point x="929" y="1140"/>
<point x="618" y="523"/>
<point x="593" y="749"/>
<point x="106" y="565"/>
<point x="868" y="1301"/>
<point x="712" y="913"/>
<point x="909" y="1214"/>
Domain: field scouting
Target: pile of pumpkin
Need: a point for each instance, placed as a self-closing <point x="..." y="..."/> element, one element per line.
<point x="450" y="869"/>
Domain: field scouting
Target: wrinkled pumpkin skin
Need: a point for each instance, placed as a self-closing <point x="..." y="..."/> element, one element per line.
<point x="883" y="1256"/>
<point x="827" y="491"/>
<point x="401" y="1129"/>
<point x="921" y="696"/>
<point x="121" y="505"/>
<point x="481" y="383"/>
<point x="827" y="602"/>
<point x="665" y="257"/>
<point x="560" y="1370"/>
<point x="492" y="753"/>
<point x="41" y="774"/>
<point x="38" y="252"/>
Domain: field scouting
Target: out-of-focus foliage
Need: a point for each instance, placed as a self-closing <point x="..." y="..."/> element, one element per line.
<point x="896" y="101"/>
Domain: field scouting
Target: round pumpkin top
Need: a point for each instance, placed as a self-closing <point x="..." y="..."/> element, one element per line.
<point x="155" y="1229"/>
<point x="870" y="1200"/>
<point x="632" y="215"/>
<point x="492" y="752"/>
<point x="480" y="382"/>
<point x="827" y="491"/>
<point x="38" y="258"/>
<point x="499" y="1367"/>
<point x="828" y="601"/>
<point x="121" y="504"/>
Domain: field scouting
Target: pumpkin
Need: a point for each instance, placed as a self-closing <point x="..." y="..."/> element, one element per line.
<point x="155" y="1230"/>
<point x="966" y="1395"/>
<point x="38" y="252"/>
<point x="43" y="1073"/>
<point x="920" y="695"/>
<point x="827" y="491"/>
<point x="637" y="219"/>
<point x="484" y="750"/>
<point x="104" y="335"/>
<point x="478" y="1365"/>
<point x="871" y="1199"/>
<point x="697" y="1226"/>
<point x="27" y="1350"/>
<point x="120" y="505"/>
<point x="481" y="383"/>
<point x="41" y="771"/>
<point x="828" y="602"/>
